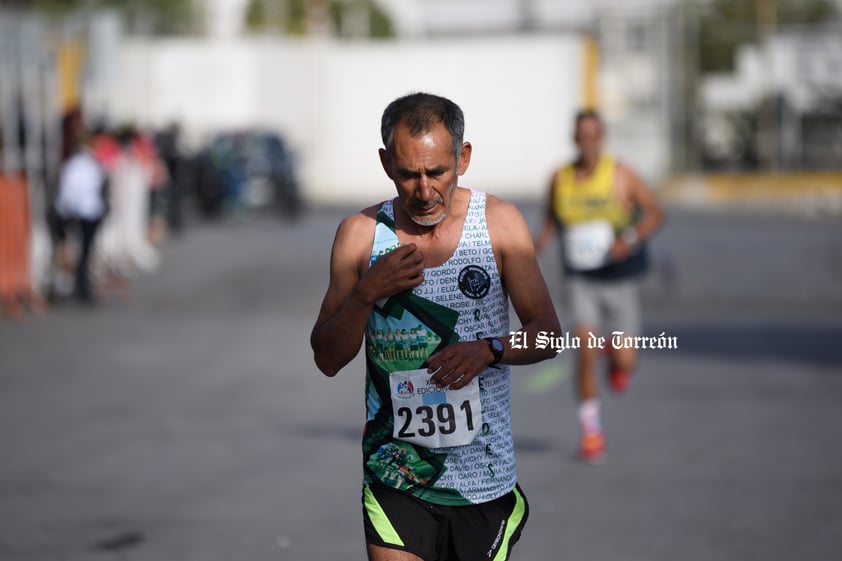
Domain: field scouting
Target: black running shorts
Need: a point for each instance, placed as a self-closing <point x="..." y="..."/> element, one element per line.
<point x="483" y="532"/>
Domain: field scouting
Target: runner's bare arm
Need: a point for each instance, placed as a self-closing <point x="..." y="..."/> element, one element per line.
<point x="354" y="288"/>
<point x="523" y="280"/>
<point x="643" y="198"/>
<point x="549" y="226"/>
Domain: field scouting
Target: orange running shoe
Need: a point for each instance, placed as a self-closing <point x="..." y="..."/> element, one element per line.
<point x="592" y="447"/>
<point x="619" y="379"/>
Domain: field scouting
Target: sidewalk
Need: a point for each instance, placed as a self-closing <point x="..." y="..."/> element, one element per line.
<point x="795" y="193"/>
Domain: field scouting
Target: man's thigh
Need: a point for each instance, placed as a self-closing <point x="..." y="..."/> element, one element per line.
<point x="398" y="521"/>
<point x="583" y="303"/>
<point x="486" y="531"/>
<point x="622" y="307"/>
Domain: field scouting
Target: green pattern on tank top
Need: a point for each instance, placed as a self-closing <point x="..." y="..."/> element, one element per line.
<point x="462" y="299"/>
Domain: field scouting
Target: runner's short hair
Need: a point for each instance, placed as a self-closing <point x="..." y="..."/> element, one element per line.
<point x="588" y="114"/>
<point x="420" y="112"/>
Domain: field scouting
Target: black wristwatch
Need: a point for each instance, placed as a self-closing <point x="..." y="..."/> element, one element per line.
<point x="496" y="347"/>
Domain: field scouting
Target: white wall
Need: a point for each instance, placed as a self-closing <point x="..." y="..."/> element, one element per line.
<point x="519" y="95"/>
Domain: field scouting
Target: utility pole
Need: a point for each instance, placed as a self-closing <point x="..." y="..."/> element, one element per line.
<point x="10" y="159"/>
<point x="766" y="15"/>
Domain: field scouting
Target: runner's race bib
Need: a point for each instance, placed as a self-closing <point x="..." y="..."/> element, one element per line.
<point x="433" y="416"/>
<point x="587" y="244"/>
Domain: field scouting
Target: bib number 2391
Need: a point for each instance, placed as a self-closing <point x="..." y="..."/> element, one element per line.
<point x="434" y="416"/>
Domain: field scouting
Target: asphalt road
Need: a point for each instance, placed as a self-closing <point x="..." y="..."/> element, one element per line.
<point x="185" y="421"/>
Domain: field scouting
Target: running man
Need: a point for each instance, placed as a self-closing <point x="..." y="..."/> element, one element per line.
<point x="604" y="213"/>
<point x="454" y="494"/>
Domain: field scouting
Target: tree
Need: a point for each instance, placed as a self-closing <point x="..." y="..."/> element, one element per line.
<point x="344" y="18"/>
<point x="156" y="17"/>
<point x="727" y="24"/>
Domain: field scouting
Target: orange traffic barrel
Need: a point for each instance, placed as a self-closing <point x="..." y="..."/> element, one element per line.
<point x="15" y="280"/>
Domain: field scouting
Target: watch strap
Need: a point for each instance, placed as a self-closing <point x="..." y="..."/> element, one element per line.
<point x="497" y="348"/>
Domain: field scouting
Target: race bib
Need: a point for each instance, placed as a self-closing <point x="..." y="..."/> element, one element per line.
<point x="586" y="245"/>
<point x="433" y="416"/>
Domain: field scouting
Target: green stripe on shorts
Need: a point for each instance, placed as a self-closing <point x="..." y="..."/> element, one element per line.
<point x="512" y="524"/>
<point x="380" y="520"/>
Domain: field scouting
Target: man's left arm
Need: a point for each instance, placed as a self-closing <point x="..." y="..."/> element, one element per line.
<point x="522" y="279"/>
<point x="457" y="364"/>
<point x="643" y="201"/>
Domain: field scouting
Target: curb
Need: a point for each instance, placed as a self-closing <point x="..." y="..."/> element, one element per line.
<point x="798" y="193"/>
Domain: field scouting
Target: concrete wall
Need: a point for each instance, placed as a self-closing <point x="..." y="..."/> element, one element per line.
<point x="519" y="95"/>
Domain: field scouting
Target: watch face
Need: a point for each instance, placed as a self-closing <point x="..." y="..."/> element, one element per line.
<point x="497" y="345"/>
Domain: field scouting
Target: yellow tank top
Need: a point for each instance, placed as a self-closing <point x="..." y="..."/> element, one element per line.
<point x="589" y="199"/>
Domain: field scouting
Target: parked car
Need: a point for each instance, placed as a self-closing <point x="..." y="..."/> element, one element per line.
<point x="251" y="170"/>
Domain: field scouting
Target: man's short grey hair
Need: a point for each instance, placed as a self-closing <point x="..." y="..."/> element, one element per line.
<point x="583" y="114"/>
<point x="420" y="112"/>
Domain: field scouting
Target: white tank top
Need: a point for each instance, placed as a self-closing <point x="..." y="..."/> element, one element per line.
<point x="460" y="300"/>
